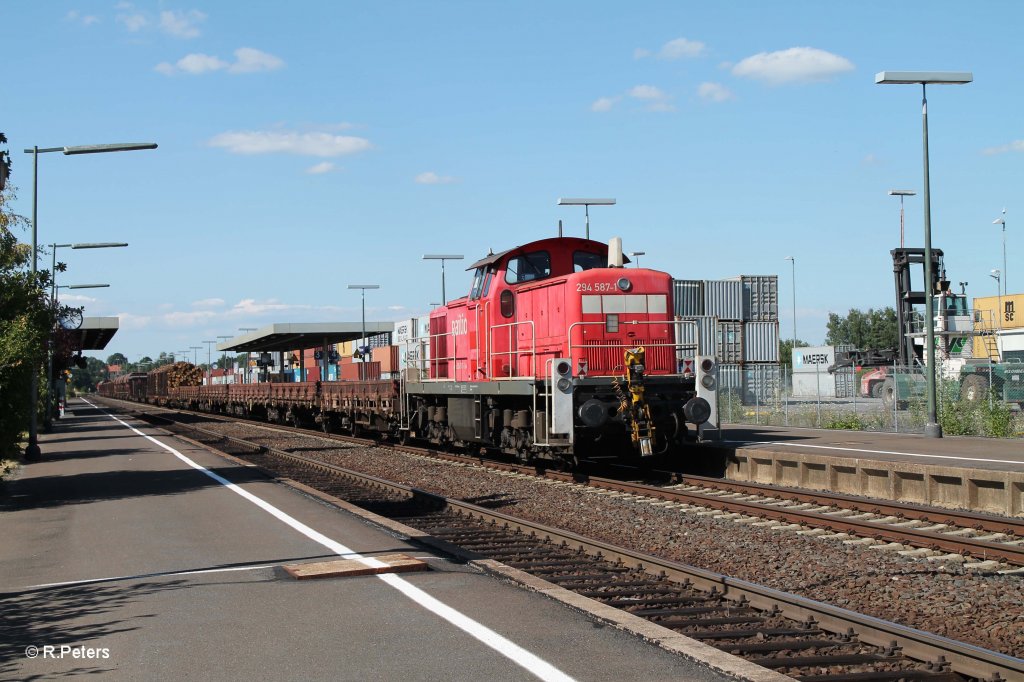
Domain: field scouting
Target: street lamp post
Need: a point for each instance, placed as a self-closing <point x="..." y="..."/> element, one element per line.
<point x="637" y="254"/>
<point x="245" y="376"/>
<point x="195" y="354"/>
<point x="586" y="204"/>
<point x="932" y="428"/>
<point x="50" y="384"/>
<point x="792" y="261"/>
<point x="209" y="365"/>
<point x="363" y="288"/>
<point x="225" y="353"/>
<point x="997" y="275"/>
<point x="32" y="451"/>
<point x="223" y="357"/>
<point x="1001" y="220"/>
<point x="901" y="193"/>
<point x="442" y="258"/>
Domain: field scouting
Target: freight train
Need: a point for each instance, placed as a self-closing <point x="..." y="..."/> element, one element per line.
<point x="557" y="351"/>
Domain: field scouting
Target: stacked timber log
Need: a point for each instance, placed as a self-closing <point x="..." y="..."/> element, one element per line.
<point x="163" y="379"/>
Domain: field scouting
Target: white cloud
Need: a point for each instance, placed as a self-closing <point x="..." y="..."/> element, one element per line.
<point x="208" y="303"/>
<point x="1015" y="146"/>
<point x="714" y="92"/>
<point x="132" y="321"/>
<point x="320" y="168"/>
<point x="432" y="178"/>
<point x="181" y="24"/>
<point x="795" y="65"/>
<point x="646" y="92"/>
<point x="188" y="319"/>
<point x="681" y="47"/>
<point x="396" y="308"/>
<point x="604" y="103"/>
<point x="870" y="160"/>
<point x="72" y="299"/>
<point x="250" y="306"/>
<point x="79" y="18"/>
<point x="275" y="141"/>
<point x="133" y="22"/>
<point x="656" y="99"/>
<point x="251" y="60"/>
<point x="247" y="60"/>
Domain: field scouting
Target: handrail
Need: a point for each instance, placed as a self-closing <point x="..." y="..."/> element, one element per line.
<point x="571" y="346"/>
<point x="532" y="352"/>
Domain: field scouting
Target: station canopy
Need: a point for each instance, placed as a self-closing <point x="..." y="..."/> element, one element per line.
<point x="95" y="333"/>
<point x="286" y="337"/>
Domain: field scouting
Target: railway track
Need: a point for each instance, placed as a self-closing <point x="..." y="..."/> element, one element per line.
<point x="799" y="637"/>
<point x="982" y="542"/>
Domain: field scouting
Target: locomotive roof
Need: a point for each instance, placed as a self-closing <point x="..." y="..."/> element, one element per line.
<point x="492" y="258"/>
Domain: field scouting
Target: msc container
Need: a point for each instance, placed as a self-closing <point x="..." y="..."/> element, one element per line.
<point x="999" y="312"/>
<point x="762" y="383"/>
<point x="729" y="346"/>
<point x="760" y="298"/>
<point x="697" y="336"/>
<point x="688" y="297"/>
<point x="387" y="358"/>
<point x="761" y="341"/>
<point x="723" y="298"/>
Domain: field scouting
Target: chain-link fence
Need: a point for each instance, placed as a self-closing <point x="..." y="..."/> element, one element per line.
<point x="888" y="399"/>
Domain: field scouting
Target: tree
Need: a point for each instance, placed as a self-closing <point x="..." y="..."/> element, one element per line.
<point x="117" y="359"/>
<point x="863" y="330"/>
<point x="786" y="351"/>
<point x="25" y="321"/>
<point x="85" y="380"/>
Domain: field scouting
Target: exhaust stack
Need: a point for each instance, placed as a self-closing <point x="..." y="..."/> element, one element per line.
<point x="615" y="252"/>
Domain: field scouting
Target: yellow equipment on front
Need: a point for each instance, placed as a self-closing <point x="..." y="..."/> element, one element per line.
<point x="632" y="404"/>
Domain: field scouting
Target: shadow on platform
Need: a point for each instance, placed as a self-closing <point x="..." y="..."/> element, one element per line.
<point x="53" y="491"/>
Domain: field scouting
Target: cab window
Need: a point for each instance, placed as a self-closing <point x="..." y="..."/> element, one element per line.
<point x="528" y="267"/>
<point x="585" y="260"/>
<point x="478" y="281"/>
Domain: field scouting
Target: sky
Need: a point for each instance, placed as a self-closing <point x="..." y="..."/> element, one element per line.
<point x="307" y="146"/>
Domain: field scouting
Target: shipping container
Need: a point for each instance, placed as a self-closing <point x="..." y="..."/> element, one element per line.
<point x="387" y="358"/>
<point x="814" y="385"/>
<point x="688" y="297"/>
<point x="813" y="358"/>
<point x="729" y="342"/>
<point x="405" y="330"/>
<point x="761" y="341"/>
<point x="760" y="298"/>
<point x="697" y="336"/>
<point x="762" y="383"/>
<point x="730" y="380"/>
<point x="723" y="298"/>
<point x="1004" y="312"/>
<point x="368" y="371"/>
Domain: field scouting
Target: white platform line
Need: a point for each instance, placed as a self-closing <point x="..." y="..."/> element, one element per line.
<point x="875" y="452"/>
<point x="518" y="655"/>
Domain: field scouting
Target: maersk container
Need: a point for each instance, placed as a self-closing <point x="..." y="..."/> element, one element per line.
<point x="729" y="338"/>
<point x="811" y="359"/>
<point x="405" y="330"/>
<point x="760" y="298"/>
<point x="688" y="295"/>
<point x="761" y="342"/>
<point x="723" y="298"/>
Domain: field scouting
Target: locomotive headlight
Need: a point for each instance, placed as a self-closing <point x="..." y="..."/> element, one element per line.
<point x="624" y="284"/>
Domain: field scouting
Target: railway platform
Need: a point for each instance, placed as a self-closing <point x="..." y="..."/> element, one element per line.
<point x="980" y="474"/>
<point x="131" y="554"/>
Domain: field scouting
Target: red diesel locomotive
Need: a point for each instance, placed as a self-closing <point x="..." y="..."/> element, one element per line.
<point x="557" y="351"/>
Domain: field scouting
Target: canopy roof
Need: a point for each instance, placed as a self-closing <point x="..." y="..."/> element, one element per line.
<point x="286" y="337"/>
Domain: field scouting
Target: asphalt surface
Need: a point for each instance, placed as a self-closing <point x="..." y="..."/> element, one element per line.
<point x="174" y="576"/>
